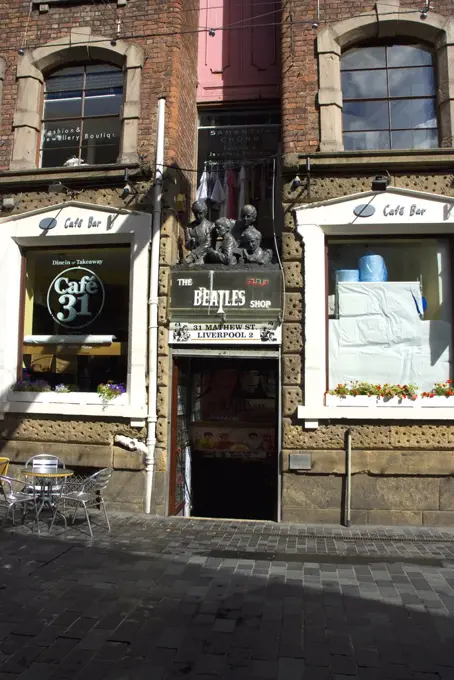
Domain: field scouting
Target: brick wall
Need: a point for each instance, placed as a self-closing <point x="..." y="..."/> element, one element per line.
<point x="299" y="61"/>
<point x="170" y="64"/>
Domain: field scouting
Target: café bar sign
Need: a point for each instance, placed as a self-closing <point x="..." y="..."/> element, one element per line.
<point x="224" y="306"/>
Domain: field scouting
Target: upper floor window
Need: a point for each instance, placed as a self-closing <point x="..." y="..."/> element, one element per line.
<point x="388" y="97"/>
<point x="81" y="117"/>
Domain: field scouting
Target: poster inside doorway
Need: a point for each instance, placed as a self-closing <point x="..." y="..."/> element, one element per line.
<point x="237" y="395"/>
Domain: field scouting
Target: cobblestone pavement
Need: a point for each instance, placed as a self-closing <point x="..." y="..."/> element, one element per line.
<point x="173" y="599"/>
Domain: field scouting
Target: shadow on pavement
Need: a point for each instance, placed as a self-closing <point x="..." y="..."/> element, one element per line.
<point x="171" y="600"/>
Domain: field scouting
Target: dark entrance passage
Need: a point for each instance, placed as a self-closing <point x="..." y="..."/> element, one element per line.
<point x="224" y="438"/>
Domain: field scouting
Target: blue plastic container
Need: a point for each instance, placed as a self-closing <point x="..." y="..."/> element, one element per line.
<point x="372" y="268"/>
<point x="347" y="275"/>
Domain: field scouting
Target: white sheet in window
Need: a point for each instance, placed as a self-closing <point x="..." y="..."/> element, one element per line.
<point x="380" y="337"/>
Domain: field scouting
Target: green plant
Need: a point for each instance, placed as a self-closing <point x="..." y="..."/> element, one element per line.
<point x="445" y="389"/>
<point x="31" y="386"/>
<point x="385" y="391"/>
<point x="110" y="390"/>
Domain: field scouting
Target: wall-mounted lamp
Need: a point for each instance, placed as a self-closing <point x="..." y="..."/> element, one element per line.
<point x="60" y="188"/>
<point x="8" y="203"/>
<point x="296" y="183"/>
<point x="128" y="188"/>
<point x="380" y="183"/>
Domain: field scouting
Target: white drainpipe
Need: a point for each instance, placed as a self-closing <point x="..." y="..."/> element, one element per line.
<point x="152" y="416"/>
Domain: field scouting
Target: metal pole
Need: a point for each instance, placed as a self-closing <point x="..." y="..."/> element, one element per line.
<point x="348" y="478"/>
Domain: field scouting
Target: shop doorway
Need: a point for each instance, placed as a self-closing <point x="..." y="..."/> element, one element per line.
<point x="224" y="438"/>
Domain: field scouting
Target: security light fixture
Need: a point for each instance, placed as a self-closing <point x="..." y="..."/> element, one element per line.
<point x="128" y="188"/>
<point x="60" y="188"/>
<point x="380" y="183"/>
<point x="296" y="183"/>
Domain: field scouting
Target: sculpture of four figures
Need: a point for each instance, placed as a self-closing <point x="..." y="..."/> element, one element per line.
<point x="226" y="241"/>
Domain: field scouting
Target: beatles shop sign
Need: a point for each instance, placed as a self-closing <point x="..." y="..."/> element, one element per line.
<point x="225" y="306"/>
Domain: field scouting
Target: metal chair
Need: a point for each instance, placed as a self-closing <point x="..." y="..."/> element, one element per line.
<point x="9" y="498"/>
<point x="45" y="461"/>
<point x="4" y="462"/>
<point x="89" y="493"/>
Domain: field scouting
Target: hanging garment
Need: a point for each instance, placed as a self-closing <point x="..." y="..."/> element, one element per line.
<point x="202" y="189"/>
<point x="212" y="176"/>
<point x="231" y="192"/>
<point x="223" y="209"/>
<point x="218" y="193"/>
<point x="263" y="182"/>
<point x="241" y="190"/>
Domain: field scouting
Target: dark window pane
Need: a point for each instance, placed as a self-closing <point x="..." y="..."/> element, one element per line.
<point x="413" y="113"/>
<point x="101" y="140"/>
<point x="364" y="57"/>
<point x="68" y="70"/>
<point x="54" y="157"/>
<point x="66" y="133"/>
<point x="414" y="139"/>
<point x="365" y="116"/>
<point x="103" y="154"/>
<point x="357" y="141"/>
<point x="364" y="84"/>
<point x="408" y="55"/>
<point x="221" y="118"/>
<point x="62" y="108"/>
<point x="104" y="80"/>
<point x="65" y="84"/>
<point x="103" y="106"/>
<point x="411" y="82"/>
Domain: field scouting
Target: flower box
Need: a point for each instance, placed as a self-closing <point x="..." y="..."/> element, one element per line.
<point x="437" y="402"/>
<point x="375" y="402"/>
<point x="91" y="398"/>
<point x="380" y="402"/>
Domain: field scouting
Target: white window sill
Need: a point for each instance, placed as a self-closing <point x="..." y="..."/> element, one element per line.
<point x="71" y="403"/>
<point x="371" y="408"/>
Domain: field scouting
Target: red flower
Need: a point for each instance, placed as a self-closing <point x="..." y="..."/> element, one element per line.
<point x="432" y="395"/>
<point x="449" y="382"/>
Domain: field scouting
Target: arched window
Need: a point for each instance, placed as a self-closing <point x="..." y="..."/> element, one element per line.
<point x="81" y="115"/>
<point x="388" y="94"/>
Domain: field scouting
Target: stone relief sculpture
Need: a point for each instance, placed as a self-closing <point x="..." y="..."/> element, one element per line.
<point x="226" y="242"/>
<point x="224" y="252"/>
<point x="199" y="234"/>
<point x="251" y="251"/>
<point x="248" y="219"/>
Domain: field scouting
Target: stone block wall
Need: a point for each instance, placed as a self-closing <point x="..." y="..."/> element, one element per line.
<point x="402" y="473"/>
<point x="85" y="445"/>
<point x="388" y="486"/>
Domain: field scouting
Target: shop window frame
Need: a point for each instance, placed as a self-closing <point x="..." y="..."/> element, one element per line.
<point x="389" y="98"/>
<point x="32" y="68"/>
<point x="434" y="31"/>
<point x="315" y="317"/>
<point x="19" y="235"/>
<point x="81" y="119"/>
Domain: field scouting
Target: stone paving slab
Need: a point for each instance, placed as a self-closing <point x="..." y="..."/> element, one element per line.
<point x="168" y="599"/>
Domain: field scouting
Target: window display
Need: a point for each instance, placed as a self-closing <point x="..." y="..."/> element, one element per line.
<point x="81" y="117"/>
<point x="390" y="311"/>
<point x="76" y="317"/>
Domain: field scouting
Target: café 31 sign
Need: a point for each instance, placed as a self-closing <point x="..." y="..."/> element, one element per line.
<point x="75" y="222"/>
